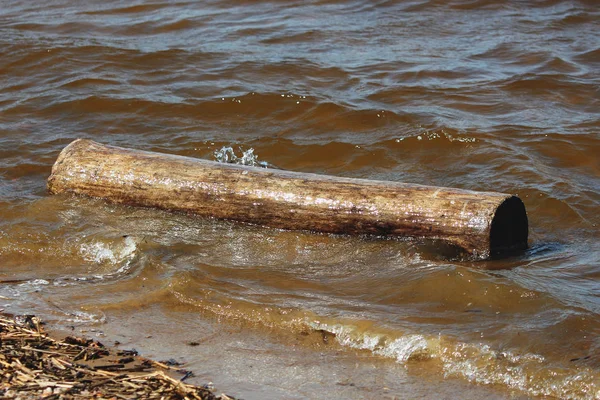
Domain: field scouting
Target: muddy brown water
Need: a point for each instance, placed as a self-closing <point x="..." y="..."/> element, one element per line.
<point x="476" y="94"/>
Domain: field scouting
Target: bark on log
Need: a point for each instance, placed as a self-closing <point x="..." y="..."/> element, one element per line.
<point x="482" y="223"/>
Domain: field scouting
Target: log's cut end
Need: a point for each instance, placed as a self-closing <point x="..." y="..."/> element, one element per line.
<point x="58" y="180"/>
<point x="509" y="230"/>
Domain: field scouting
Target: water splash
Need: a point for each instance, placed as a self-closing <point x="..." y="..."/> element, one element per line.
<point x="227" y="155"/>
<point x="119" y="254"/>
<point x="103" y="253"/>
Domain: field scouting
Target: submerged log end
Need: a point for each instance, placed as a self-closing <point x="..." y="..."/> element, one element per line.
<point x="509" y="228"/>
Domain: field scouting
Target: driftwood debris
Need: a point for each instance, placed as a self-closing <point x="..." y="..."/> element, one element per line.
<point x="484" y="224"/>
<point x="34" y="365"/>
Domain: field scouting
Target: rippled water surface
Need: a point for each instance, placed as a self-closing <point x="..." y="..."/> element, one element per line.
<point x="477" y="94"/>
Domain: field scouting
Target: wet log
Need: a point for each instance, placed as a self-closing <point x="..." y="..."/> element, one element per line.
<point x="484" y="224"/>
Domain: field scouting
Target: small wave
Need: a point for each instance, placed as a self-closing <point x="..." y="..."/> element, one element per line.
<point x="402" y="349"/>
<point x="591" y="57"/>
<point x="528" y="373"/>
<point x="100" y="252"/>
<point x="111" y="254"/>
<point x="75" y="260"/>
<point x="441" y="134"/>
<point x="574" y="17"/>
<point x="294" y="37"/>
<point x="135" y="9"/>
<point x="475" y="362"/>
<point x="89" y="82"/>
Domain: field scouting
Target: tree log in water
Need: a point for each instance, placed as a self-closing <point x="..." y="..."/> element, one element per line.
<point x="482" y="223"/>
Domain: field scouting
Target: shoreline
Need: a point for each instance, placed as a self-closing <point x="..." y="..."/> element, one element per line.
<point x="45" y="364"/>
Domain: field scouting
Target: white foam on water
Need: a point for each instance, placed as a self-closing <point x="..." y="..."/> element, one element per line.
<point x="401" y="349"/>
<point x="81" y="317"/>
<point x="477" y="363"/>
<point x="111" y="253"/>
<point x="35" y="282"/>
<point x="528" y="373"/>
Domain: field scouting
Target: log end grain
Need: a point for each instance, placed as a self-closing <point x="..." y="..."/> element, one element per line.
<point x="509" y="229"/>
